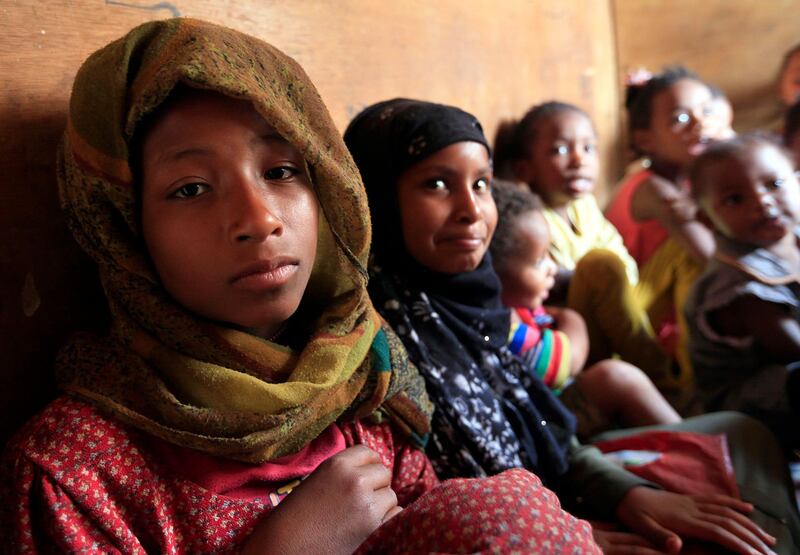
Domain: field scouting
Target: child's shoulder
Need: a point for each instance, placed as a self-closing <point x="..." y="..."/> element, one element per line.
<point x="68" y="433"/>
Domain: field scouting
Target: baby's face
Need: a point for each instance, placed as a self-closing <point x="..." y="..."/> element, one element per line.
<point x="228" y="213"/>
<point x="562" y="163"/>
<point x="447" y="212"/>
<point x="529" y="275"/>
<point x="753" y="198"/>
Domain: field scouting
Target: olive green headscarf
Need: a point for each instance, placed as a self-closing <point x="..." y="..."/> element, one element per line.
<point x="163" y="369"/>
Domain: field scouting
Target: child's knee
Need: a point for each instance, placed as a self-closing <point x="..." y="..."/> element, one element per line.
<point x="619" y="376"/>
<point x="601" y="265"/>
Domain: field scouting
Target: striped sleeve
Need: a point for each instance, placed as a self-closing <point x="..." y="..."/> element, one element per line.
<point x="545" y="351"/>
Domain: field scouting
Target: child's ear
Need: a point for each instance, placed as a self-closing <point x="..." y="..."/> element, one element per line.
<point x="642" y="140"/>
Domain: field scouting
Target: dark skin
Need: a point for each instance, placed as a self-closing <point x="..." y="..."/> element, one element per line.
<point x="771" y="326"/>
<point x="661" y="199"/>
<point x="333" y="511"/>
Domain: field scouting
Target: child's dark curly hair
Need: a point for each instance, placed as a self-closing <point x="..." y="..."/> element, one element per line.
<point x="512" y="200"/>
<point x="512" y="138"/>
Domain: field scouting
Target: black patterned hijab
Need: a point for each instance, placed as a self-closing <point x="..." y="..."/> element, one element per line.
<point x="492" y="413"/>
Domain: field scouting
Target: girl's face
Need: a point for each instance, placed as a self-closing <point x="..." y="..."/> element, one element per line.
<point x="681" y="124"/>
<point x="789" y="84"/>
<point x="529" y="274"/>
<point x="753" y="198"/>
<point x="447" y="212"/>
<point x="228" y="214"/>
<point x="561" y="163"/>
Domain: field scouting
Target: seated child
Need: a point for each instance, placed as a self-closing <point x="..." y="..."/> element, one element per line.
<point x="554" y="340"/>
<point x="744" y="311"/>
<point x="671" y="119"/>
<point x="553" y="150"/>
<point x="248" y="398"/>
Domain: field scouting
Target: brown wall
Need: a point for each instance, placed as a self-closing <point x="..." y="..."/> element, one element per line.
<point x="494" y="59"/>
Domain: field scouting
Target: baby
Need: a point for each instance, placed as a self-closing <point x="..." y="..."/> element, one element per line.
<point x="744" y="311"/>
<point x="554" y="341"/>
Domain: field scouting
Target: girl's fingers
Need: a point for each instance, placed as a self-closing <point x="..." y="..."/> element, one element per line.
<point x="726" y="500"/>
<point x="730" y="535"/>
<point x="386" y="503"/>
<point x="735" y="516"/>
<point x="358" y="455"/>
<point x="658" y="535"/>
<point x="375" y="476"/>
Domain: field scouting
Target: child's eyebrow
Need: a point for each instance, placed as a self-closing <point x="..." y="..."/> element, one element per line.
<point x="269" y="137"/>
<point x="447" y="170"/>
<point x="180" y="154"/>
<point x="190" y="151"/>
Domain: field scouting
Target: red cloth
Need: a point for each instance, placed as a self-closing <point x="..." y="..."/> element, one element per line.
<point x="689" y="463"/>
<point x="641" y="239"/>
<point x="248" y="481"/>
<point x="75" y="480"/>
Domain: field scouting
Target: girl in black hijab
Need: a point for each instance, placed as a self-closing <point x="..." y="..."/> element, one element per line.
<point x="427" y="171"/>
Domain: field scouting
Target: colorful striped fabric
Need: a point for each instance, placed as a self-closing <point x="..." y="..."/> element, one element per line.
<point x="545" y="350"/>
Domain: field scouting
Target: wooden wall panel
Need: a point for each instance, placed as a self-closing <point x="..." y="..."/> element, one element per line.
<point x="737" y="45"/>
<point x="494" y="59"/>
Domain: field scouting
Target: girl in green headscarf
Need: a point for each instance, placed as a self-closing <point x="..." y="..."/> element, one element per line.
<point x="202" y="173"/>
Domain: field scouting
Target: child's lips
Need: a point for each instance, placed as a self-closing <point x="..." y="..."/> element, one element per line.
<point x="265" y="274"/>
<point x="579" y="184"/>
<point x="697" y="148"/>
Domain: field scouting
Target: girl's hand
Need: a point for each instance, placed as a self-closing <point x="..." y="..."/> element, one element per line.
<point x="333" y="510"/>
<point x="665" y="518"/>
<point x="623" y="543"/>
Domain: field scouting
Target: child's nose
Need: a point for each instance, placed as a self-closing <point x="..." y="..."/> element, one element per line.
<point x="766" y="200"/>
<point x="468" y="208"/>
<point x="251" y="217"/>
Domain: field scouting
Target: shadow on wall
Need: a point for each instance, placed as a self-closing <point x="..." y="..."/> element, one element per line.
<point x="51" y="289"/>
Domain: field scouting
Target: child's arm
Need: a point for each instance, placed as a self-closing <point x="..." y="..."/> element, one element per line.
<point x="572" y="324"/>
<point x="771" y="325"/>
<point x="660" y="199"/>
<point x="333" y="511"/>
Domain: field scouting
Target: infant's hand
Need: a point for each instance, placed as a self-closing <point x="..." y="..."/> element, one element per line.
<point x="333" y="510"/>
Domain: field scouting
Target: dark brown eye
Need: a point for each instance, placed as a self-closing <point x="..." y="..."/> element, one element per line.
<point x="190" y="190"/>
<point x="280" y="173"/>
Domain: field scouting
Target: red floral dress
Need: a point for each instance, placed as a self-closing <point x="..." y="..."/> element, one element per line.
<point x="77" y="481"/>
